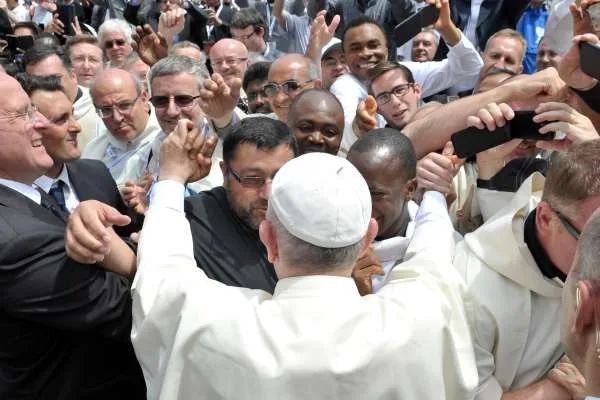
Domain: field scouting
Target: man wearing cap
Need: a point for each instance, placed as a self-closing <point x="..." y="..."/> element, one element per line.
<point x="315" y="337"/>
<point x="333" y="62"/>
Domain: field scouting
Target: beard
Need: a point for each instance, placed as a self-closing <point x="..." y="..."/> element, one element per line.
<point x="252" y="214"/>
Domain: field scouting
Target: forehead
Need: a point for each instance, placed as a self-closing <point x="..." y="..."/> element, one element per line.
<point x="505" y="45"/>
<point x="181" y="83"/>
<point x="388" y="80"/>
<point x="50" y="103"/>
<point x="15" y="98"/>
<point x="319" y="107"/>
<point x="48" y="66"/>
<point x="121" y="85"/>
<point x="286" y="70"/>
<point x="113" y="35"/>
<point x="362" y="34"/>
<point x="228" y="49"/>
<point x="85" y="48"/>
<point x="425" y="36"/>
<point x="247" y="156"/>
<point x="377" y="169"/>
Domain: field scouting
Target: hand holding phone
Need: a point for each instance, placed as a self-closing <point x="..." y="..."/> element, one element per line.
<point x="412" y="25"/>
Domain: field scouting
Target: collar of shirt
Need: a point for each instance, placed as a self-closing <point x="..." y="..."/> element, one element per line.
<point x="546" y="266"/>
<point x="26" y="190"/>
<point x="45" y="182"/>
<point x="316" y="286"/>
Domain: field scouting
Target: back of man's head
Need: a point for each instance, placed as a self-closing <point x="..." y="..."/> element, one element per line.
<point x="573" y="176"/>
<point x="41" y="51"/>
<point x="263" y="132"/>
<point x="320" y="213"/>
<point x="389" y="146"/>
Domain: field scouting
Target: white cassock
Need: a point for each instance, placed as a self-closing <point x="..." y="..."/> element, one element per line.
<point x="314" y="338"/>
<point x="515" y="307"/>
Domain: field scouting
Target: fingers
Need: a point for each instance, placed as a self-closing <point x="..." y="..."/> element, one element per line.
<point x="370" y="105"/>
<point x="114" y="217"/>
<point x="491" y="117"/>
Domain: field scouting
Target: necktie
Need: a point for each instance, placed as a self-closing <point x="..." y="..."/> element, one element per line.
<point x="57" y="192"/>
<point x="50" y="204"/>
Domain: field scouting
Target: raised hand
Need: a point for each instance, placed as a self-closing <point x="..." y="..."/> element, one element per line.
<point x="569" y="67"/>
<point x="561" y="117"/>
<point x="55" y="26"/>
<point x="217" y="99"/>
<point x="366" y="266"/>
<point x="365" y="119"/>
<point x="151" y="46"/>
<point x="185" y="155"/>
<point x="171" y="23"/>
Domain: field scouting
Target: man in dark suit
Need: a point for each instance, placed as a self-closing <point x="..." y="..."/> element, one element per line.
<point x="64" y="326"/>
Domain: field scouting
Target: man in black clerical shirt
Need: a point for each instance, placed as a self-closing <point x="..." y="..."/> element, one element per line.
<point x="225" y="220"/>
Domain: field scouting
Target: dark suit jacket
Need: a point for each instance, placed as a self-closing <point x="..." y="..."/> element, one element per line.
<point x="64" y="327"/>
<point x="494" y="15"/>
<point x="93" y="181"/>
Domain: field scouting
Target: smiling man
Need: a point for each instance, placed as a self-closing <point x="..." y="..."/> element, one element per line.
<point x="316" y="119"/>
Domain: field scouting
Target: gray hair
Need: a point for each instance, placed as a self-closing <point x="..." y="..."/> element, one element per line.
<point x="187" y="44"/>
<point x="115" y="25"/>
<point x="174" y="65"/>
<point x="299" y="253"/>
<point x="588" y="251"/>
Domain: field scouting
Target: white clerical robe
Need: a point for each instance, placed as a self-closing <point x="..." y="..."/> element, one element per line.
<point x="314" y="338"/>
<point x="514" y="308"/>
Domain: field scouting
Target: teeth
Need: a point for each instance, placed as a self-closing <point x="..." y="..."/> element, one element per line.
<point x="367" y="65"/>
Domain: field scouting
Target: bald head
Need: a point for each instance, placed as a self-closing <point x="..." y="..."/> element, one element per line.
<point x="229" y="58"/>
<point x="314" y="101"/>
<point x="292" y="62"/>
<point x="114" y="79"/>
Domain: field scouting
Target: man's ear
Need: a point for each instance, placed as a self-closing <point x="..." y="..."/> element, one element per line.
<point x="267" y="236"/>
<point x="409" y="189"/>
<point x="585" y="308"/>
<point x="74" y="76"/>
<point x="418" y="91"/>
<point x="544" y="219"/>
<point x="260" y="31"/>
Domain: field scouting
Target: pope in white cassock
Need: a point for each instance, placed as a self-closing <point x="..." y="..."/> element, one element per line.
<point x="315" y="337"/>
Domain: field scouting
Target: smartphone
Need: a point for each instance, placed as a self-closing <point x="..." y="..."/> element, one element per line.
<point x="471" y="141"/>
<point x="22" y="43"/>
<point x="66" y="14"/>
<point x="411" y="26"/>
<point x="589" y="59"/>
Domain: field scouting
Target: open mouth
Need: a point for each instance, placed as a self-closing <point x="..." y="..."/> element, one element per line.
<point x="367" y="65"/>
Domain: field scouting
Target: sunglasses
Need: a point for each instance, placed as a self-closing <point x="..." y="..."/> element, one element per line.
<point x="181" y="100"/>
<point x="109" y="44"/>
<point x="272" y="88"/>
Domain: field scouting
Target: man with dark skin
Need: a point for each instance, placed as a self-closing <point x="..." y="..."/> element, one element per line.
<point x="316" y="119"/>
<point x="387" y="161"/>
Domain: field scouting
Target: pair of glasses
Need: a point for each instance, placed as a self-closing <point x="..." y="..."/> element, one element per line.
<point x="398" y="91"/>
<point x="29" y="115"/>
<point x="181" y="100"/>
<point x="569" y="227"/>
<point x="124" y="108"/>
<point x="272" y="88"/>
<point x="241" y="38"/>
<point x="331" y="62"/>
<point x="249" y="182"/>
<point x="109" y="44"/>
<point x="227" y="61"/>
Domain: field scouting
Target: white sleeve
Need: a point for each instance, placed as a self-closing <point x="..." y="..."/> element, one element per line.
<point x="349" y="96"/>
<point x="463" y="62"/>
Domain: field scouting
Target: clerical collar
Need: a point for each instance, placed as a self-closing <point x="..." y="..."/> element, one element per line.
<point x="79" y="94"/>
<point x="546" y="266"/>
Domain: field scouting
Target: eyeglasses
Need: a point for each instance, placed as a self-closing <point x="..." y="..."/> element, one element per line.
<point x="574" y="232"/>
<point x="29" y="115"/>
<point x="227" y="61"/>
<point x="124" y="108"/>
<point x="181" y="100"/>
<point x="241" y="38"/>
<point x="398" y="91"/>
<point x="272" y="88"/>
<point x="109" y="44"/>
<point x="331" y="62"/>
<point x="249" y="182"/>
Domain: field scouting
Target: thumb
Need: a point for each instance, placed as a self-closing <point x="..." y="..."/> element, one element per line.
<point x="448" y="150"/>
<point x="371" y="105"/>
<point x="113" y="217"/>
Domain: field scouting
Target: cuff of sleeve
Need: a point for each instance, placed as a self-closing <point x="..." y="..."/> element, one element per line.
<point x="168" y="194"/>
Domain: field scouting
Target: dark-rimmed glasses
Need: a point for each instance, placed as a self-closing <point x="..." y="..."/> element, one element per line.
<point x="398" y="91"/>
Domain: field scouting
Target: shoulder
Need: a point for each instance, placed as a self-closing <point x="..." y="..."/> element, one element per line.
<point x="205" y="203"/>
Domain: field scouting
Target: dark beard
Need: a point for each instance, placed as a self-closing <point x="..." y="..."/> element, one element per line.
<point x="245" y="214"/>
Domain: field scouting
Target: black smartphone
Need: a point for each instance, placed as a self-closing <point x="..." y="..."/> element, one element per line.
<point x="471" y="141"/>
<point x="22" y="43"/>
<point x="411" y="26"/>
<point x="66" y="14"/>
<point x="590" y="59"/>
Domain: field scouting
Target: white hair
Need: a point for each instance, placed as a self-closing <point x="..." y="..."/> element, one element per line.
<point x="588" y="251"/>
<point x="115" y="25"/>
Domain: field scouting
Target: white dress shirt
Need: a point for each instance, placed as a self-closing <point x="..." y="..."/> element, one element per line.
<point x="71" y="199"/>
<point x="26" y="190"/>
<point x="125" y="160"/>
<point x="314" y="338"/>
<point x="463" y="62"/>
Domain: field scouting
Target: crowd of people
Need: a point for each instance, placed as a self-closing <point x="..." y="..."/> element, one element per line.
<point x="244" y="199"/>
